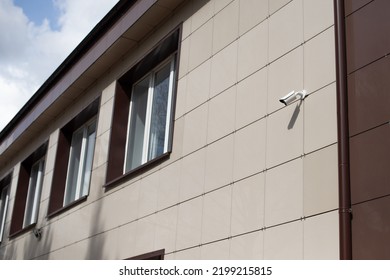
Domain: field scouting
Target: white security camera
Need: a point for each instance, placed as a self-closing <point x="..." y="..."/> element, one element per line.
<point x="292" y="96"/>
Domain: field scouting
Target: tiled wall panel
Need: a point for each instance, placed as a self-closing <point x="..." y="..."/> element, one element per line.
<point x="369" y="100"/>
<point x="371" y="230"/>
<point x="244" y="178"/>
<point x="367" y="22"/>
<point x="365" y="31"/>
<point x="370" y="162"/>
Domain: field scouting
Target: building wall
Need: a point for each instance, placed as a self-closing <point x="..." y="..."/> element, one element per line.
<point x="368" y="100"/>
<point x="247" y="177"/>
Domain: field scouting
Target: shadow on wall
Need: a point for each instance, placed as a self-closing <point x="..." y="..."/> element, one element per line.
<point x="96" y="242"/>
<point x="295" y="115"/>
<point x="29" y="246"/>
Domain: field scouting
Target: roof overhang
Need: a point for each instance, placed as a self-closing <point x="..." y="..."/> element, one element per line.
<point x="118" y="32"/>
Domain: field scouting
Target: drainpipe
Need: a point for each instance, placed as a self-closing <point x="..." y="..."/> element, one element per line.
<point x="345" y="210"/>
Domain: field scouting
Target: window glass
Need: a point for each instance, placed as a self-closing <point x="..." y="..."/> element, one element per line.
<point x="3" y="210"/>
<point x="158" y="124"/>
<point x="80" y="163"/>
<point x="137" y="124"/>
<point x="34" y="193"/>
<point x="74" y="166"/>
<point x="88" y="158"/>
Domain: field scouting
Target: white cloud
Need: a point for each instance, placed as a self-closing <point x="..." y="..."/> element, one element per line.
<point x="29" y="53"/>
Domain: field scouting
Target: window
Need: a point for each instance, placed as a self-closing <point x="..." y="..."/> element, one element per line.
<point x="80" y="162"/>
<point x="150" y="106"/>
<point x="28" y="191"/>
<point x="34" y="193"/>
<point x="156" y="255"/>
<point x="142" y="125"/>
<point x="3" y="210"/>
<point x="4" y="195"/>
<point x="73" y="163"/>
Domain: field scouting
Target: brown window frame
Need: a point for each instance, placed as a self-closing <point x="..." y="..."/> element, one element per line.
<point x="62" y="160"/>
<point x="169" y="46"/>
<point x="155" y="255"/>
<point x="22" y="191"/>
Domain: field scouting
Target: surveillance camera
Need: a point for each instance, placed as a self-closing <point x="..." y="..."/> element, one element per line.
<point x="292" y="96"/>
<point x="37" y="233"/>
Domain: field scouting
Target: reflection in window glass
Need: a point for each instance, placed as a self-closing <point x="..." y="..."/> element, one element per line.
<point x="158" y="124"/>
<point x="80" y="162"/>
<point x="137" y="125"/>
<point x="3" y="209"/>
<point x="34" y="193"/>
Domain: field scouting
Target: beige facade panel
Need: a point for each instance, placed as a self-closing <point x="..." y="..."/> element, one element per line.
<point x="224" y="69"/>
<point x="320" y="181"/>
<point x="252" y="12"/>
<point x="321" y="237"/>
<point x="200" y="47"/>
<point x="197" y="89"/>
<point x="195" y="129"/>
<point x="221" y="115"/>
<point x="226" y="26"/>
<point x="249" y="150"/>
<point x="320" y="119"/>
<point x="247" y="247"/>
<point x="192" y="175"/>
<point x="247" y="211"/>
<point x="285" y="29"/>
<point x="219" y="163"/>
<point x="276" y="5"/>
<point x="253" y="50"/>
<point x="284" y="242"/>
<point x="317" y="16"/>
<point x="319" y="63"/>
<point x="247" y="178"/>
<point x="284" y="75"/>
<point x="189" y="224"/>
<point x="251" y="98"/>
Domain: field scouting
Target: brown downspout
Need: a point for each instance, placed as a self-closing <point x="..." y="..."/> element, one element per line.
<point x="345" y="212"/>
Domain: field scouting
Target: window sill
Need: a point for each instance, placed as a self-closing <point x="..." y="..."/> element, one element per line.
<point x="137" y="171"/>
<point x="67" y="207"/>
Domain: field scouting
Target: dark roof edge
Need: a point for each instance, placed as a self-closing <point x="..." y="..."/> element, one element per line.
<point x="96" y="33"/>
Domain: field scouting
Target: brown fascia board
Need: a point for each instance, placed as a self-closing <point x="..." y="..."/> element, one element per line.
<point x="109" y="30"/>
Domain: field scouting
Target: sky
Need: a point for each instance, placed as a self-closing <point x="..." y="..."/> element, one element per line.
<point x="35" y="38"/>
